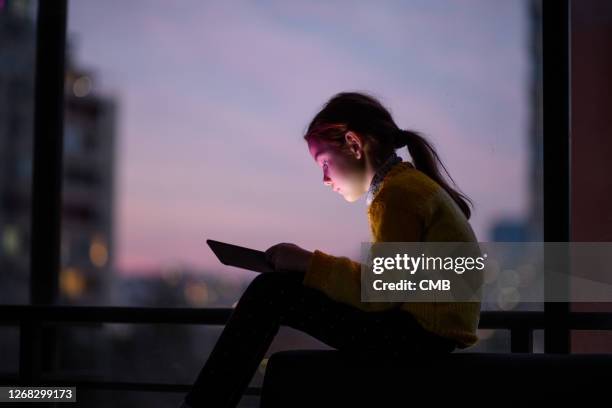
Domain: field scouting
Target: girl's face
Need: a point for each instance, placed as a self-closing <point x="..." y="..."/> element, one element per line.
<point x="343" y="172"/>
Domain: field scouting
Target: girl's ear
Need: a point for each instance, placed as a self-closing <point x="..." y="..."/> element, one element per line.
<point x="354" y="144"/>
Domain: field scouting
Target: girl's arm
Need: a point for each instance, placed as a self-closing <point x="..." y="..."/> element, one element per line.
<point x="392" y="219"/>
<point x="339" y="278"/>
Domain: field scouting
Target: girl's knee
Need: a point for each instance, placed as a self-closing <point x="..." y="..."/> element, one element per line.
<point x="272" y="282"/>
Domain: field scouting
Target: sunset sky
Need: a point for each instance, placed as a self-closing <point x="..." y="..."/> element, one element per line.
<point x="214" y="98"/>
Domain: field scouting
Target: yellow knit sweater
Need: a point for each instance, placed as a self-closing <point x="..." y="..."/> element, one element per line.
<point x="408" y="207"/>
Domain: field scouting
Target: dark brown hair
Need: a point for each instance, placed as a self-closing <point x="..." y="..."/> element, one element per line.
<point x="365" y="115"/>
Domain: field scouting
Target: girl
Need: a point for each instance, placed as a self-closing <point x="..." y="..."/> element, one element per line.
<point x="353" y="139"/>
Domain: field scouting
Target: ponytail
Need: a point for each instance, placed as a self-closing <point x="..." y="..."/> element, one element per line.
<point x="426" y="159"/>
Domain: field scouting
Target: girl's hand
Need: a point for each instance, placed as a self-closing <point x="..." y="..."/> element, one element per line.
<point x="288" y="257"/>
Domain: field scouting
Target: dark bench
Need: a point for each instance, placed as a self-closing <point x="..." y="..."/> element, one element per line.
<point x="318" y="378"/>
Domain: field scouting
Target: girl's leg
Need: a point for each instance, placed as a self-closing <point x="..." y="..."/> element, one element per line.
<point x="280" y="298"/>
<point x="247" y="335"/>
<point x="344" y="327"/>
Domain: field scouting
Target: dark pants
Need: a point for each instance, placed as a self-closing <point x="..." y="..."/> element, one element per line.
<point x="280" y="298"/>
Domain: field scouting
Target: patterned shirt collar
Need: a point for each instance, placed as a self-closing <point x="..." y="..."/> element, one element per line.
<point x="380" y="174"/>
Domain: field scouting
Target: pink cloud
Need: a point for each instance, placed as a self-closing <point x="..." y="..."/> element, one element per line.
<point x="196" y="157"/>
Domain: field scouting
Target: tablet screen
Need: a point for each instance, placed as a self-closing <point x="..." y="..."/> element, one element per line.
<point x="240" y="257"/>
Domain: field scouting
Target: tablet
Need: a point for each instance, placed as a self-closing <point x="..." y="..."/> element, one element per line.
<point x="240" y="257"/>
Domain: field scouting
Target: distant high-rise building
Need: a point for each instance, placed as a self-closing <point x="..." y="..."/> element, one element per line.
<point x="510" y="231"/>
<point x="88" y="170"/>
<point x="17" y="57"/>
<point x="88" y="190"/>
<point x="531" y="228"/>
<point x="535" y="221"/>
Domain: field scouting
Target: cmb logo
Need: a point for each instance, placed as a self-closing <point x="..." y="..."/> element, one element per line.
<point x="440" y="284"/>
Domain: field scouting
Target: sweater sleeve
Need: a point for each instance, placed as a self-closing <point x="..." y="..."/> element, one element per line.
<point x="392" y="220"/>
<point x="340" y="279"/>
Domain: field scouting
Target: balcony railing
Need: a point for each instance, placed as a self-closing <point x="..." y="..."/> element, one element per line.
<point x="30" y="319"/>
